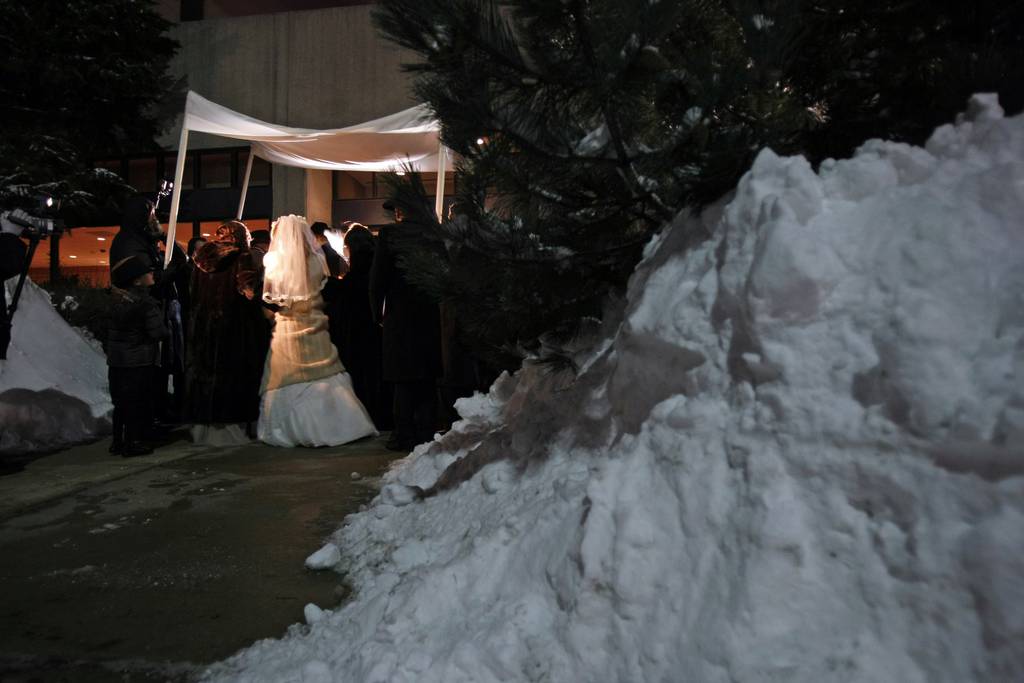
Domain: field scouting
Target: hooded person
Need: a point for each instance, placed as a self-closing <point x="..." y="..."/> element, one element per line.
<point x="133" y="353"/>
<point x="228" y="340"/>
<point x="139" y="238"/>
<point x="307" y="396"/>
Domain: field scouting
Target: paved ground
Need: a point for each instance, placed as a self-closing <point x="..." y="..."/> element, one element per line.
<point x="147" y="569"/>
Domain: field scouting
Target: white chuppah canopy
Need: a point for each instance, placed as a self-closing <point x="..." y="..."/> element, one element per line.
<point x="391" y="143"/>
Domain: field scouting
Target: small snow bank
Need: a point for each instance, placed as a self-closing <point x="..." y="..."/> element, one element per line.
<point x="799" y="458"/>
<point x="53" y="385"/>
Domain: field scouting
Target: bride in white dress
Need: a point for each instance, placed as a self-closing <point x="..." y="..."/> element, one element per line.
<point x="306" y="395"/>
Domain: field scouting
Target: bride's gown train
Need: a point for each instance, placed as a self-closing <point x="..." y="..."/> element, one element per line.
<point x="307" y="397"/>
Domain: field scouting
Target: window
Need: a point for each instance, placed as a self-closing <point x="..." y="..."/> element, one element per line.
<point x="260" y="176"/>
<point x="215" y="169"/>
<point x="112" y="165"/>
<point x="208" y="228"/>
<point x="142" y="174"/>
<point x="354" y="185"/>
<point x="187" y="182"/>
<point x="367" y="185"/>
<point x="430" y="183"/>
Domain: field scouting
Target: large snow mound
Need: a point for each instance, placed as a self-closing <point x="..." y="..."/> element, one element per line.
<point x="53" y="385"/>
<point x="798" y="458"/>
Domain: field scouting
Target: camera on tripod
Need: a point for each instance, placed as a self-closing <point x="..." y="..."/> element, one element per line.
<point x="15" y="259"/>
<point x="41" y="222"/>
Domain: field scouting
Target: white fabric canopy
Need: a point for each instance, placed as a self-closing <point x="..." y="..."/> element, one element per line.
<point x="385" y="144"/>
<point x="390" y="143"/>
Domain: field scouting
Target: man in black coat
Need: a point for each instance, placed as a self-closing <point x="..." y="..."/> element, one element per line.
<point x="411" y="344"/>
<point x="139" y="237"/>
<point x="354" y="332"/>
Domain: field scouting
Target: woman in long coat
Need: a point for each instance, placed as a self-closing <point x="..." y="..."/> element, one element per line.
<point x="229" y="337"/>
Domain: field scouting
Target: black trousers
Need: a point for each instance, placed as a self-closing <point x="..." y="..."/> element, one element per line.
<point x="131" y="390"/>
<point x="415" y="411"/>
<point x="5" y="323"/>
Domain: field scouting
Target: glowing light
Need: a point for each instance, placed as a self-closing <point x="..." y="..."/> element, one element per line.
<point x="102" y="239"/>
<point x="206" y="234"/>
<point x="479" y="141"/>
<point x="72" y="256"/>
<point x="49" y="202"/>
<point x="399" y="172"/>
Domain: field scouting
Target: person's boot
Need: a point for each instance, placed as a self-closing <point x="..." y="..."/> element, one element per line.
<point x="400" y="443"/>
<point x="117" y="442"/>
<point x="133" y="445"/>
<point x="133" y="449"/>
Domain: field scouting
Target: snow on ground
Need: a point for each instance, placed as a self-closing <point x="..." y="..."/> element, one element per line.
<point x="797" y="458"/>
<point x="53" y="385"/>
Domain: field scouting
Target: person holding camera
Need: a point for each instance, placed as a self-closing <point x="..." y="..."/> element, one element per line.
<point x="133" y="354"/>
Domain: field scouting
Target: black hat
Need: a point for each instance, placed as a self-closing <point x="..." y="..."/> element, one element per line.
<point x="135" y="217"/>
<point x="124" y="272"/>
<point x="260" y="236"/>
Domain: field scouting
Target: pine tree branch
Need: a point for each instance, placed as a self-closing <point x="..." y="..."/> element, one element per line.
<point x="630" y="176"/>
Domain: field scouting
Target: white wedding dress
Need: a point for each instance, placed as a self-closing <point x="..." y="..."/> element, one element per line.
<point x="307" y="397"/>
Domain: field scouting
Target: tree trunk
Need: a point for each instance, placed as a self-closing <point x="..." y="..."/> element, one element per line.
<point x="55" y="275"/>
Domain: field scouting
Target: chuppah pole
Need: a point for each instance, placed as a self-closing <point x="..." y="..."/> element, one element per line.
<point x="245" y="185"/>
<point x="179" y="173"/>
<point x="442" y="154"/>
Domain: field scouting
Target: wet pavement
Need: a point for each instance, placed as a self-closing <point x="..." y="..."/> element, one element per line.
<point x="150" y="570"/>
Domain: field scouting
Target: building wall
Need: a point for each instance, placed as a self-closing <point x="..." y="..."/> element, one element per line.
<point x="323" y="68"/>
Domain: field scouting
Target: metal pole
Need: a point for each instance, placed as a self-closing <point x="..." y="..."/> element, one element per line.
<point x="245" y="185"/>
<point x="442" y="154"/>
<point x="179" y="173"/>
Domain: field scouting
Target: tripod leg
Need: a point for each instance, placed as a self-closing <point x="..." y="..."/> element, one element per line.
<point x="7" y="314"/>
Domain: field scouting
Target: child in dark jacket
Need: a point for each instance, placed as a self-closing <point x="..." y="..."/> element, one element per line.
<point x="133" y="354"/>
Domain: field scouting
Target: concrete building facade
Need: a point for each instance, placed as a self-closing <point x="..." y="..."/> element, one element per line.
<point x="323" y="68"/>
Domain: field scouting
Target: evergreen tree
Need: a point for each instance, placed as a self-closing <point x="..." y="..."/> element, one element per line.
<point x="583" y="126"/>
<point x="78" y="80"/>
<point x="897" y="69"/>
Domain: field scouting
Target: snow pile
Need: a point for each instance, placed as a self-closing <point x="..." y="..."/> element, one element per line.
<point x="799" y="458"/>
<point x="53" y="385"/>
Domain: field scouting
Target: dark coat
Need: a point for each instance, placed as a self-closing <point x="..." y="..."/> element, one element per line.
<point x="138" y="237"/>
<point x="135" y="330"/>
<point x="335" y="264"/>
<point x="228" y="337"/>
<point x="412" y="334"/>
<point x="358" y="337"/>
<point x="12" y="256"/>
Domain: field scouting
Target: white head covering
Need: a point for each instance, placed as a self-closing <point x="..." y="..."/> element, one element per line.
<point x="296" y="269"/>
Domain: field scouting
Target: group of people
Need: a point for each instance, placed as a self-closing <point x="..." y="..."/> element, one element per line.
<point x="269" y="335"/>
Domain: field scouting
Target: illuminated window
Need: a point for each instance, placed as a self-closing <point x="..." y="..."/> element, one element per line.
<point x="208" y="228"/>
